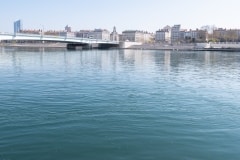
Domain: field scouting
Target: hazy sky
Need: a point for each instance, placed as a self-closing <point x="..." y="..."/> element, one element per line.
<point x="147" y="15"/>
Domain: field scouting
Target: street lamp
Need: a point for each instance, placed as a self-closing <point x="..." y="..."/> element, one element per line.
<point x="42" y="30"/>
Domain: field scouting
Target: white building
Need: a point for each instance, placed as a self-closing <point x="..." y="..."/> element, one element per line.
<point x="163" y="36"/>
<point x="148" y="37"/>
<point x="132" y="36"/>
<point x="136" y="36"/>
<point x="114" y="35"/>
<point x="102" y="34"/>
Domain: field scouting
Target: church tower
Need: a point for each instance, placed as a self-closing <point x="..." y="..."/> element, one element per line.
<point x="114" y="35"/>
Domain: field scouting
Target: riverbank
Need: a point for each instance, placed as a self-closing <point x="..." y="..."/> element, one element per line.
<point x="35" y="45"/>
<point x="156" y="46"/>
<point x="186" y="47"/>
<point x="151" y="46"/>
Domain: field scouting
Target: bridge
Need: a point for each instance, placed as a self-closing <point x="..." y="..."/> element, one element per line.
<point x="72" y="42"/>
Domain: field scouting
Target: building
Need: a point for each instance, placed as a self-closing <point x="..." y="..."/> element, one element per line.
<point x="137" y="36"/>
<point x="68" y="28"/>
<point x="196" y="36"/>
<point x="67" y="33"/>
<point x="182" y="35"/>
<point x="114" y="35"/>
<point x="52" y="32"/>
<point x="148" y="37"/>
<point x="102" y="34"/>
<point x="133" y="36"/>
<point x="120" y="37"/>
<point x="18" y="26"/>
<point x="84" y="33"/>
<point x="175" y="33"/>
<point x="163" y="35"/>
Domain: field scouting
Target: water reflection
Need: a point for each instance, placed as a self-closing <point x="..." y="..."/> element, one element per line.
<point x="33" y="58"/>
<point x="167" y="60"/>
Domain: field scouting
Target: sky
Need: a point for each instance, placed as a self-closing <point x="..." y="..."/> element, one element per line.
<point x="146" y="15"/>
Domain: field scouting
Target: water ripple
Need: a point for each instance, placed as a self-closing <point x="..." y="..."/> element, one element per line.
<point x="119" y="104"/>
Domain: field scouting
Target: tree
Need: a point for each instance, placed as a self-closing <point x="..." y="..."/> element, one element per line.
<point x="209" y="28"/>
<point x="231" y="35"/>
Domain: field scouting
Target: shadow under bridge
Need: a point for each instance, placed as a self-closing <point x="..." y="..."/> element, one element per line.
<point x="74" y="46"/>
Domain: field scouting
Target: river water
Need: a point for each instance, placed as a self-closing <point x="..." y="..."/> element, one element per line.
<point x="119" y="104"/>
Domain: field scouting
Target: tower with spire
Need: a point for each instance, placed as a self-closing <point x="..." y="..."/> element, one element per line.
<point x="114" y="35"/>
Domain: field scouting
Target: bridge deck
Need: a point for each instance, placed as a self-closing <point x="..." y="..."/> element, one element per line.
<point x="35" y="37"/>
